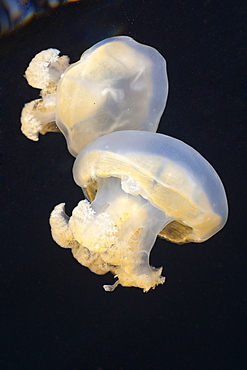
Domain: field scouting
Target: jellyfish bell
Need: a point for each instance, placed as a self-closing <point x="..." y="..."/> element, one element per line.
<point x="118" y="84"/>
<point x="138" y="185"/>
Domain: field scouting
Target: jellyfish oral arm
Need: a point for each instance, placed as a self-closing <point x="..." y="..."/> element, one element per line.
<point x="43" y="72"/>
<point x="116" y="233"/>
<point x="38" y="117"/>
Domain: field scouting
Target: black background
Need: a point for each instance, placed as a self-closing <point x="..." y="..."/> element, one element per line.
<point x="54" y="312"/>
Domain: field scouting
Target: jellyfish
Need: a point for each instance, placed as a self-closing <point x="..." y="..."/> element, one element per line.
<point x="138" y="185"/>
<point x="118" y="84"/>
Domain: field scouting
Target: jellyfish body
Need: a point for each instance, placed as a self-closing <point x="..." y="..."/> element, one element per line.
<point x="138" y="185"/>
<point x="118" y="84"/>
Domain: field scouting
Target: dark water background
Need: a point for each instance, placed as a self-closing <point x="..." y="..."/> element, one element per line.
<point x="54" y="312"/>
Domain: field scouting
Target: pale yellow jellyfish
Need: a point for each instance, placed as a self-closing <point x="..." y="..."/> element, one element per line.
<point x="118" y="84"/>
<point x="138" y="185"/>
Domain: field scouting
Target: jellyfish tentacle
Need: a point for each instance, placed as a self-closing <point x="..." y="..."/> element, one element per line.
<point x="111" y="288"/>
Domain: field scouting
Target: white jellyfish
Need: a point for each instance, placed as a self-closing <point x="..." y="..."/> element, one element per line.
<point x="139" y="185"/>
<point x="118" y="84"/>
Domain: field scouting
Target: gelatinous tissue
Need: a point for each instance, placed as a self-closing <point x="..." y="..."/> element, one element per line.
<point x="137" y="184"/>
